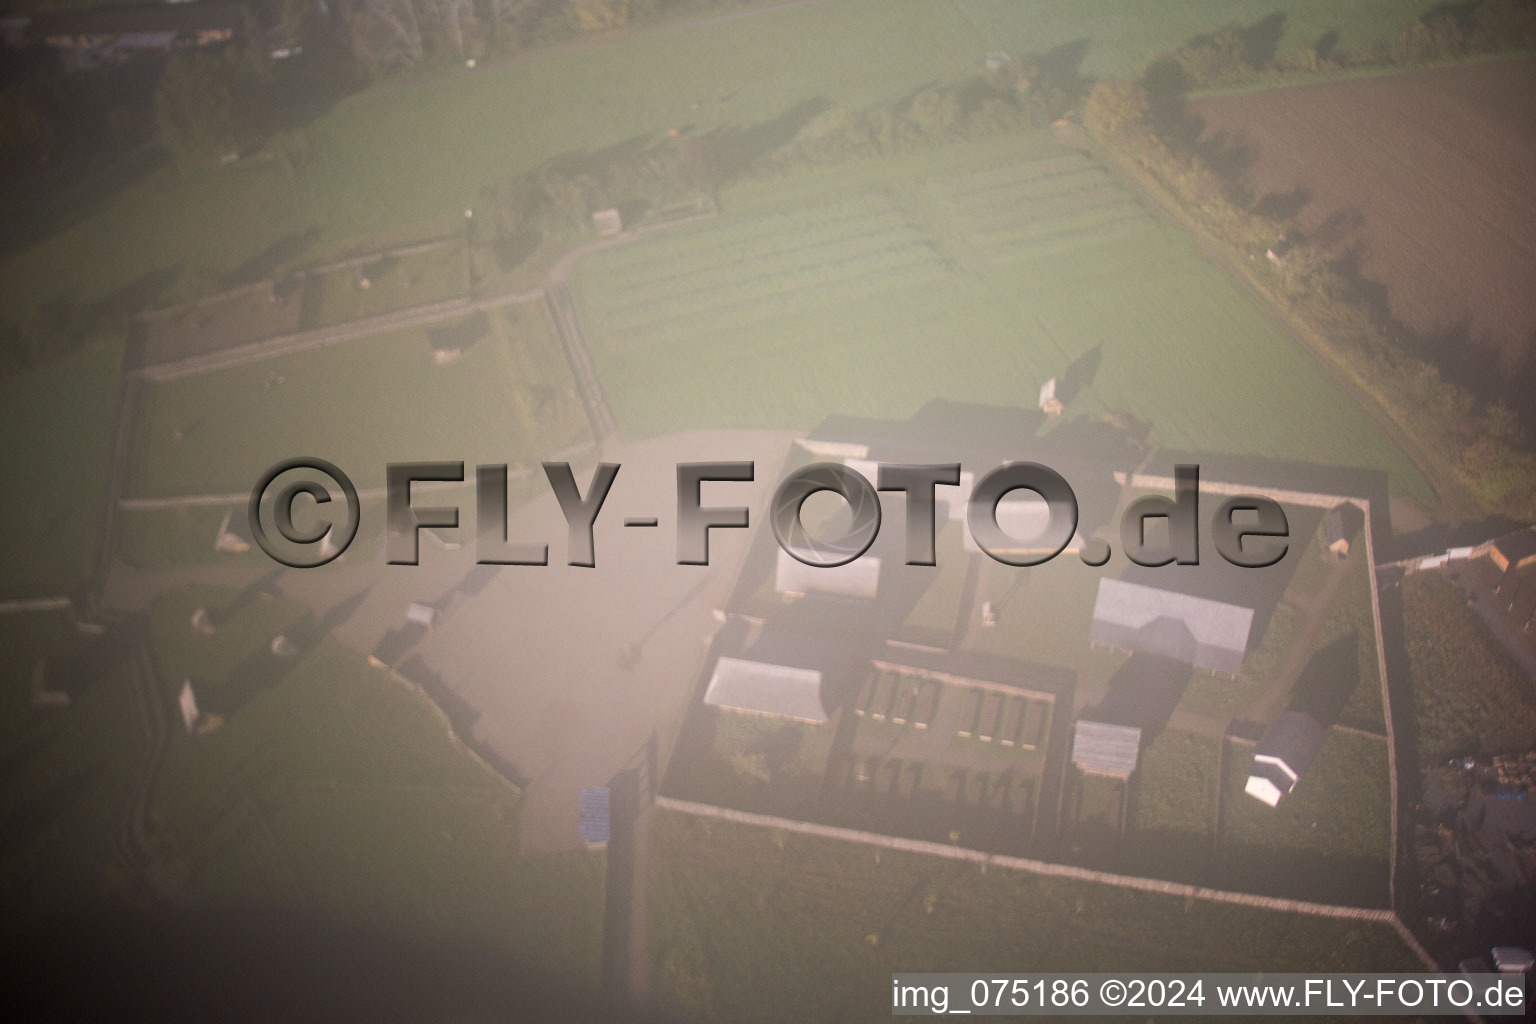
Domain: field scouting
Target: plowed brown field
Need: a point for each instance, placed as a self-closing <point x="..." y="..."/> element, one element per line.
<point x="1428" y="181"/>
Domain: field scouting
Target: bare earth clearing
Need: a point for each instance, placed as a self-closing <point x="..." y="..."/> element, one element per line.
<point x="1423" y="180"/>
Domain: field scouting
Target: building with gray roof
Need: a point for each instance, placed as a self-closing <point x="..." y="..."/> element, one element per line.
<point x="763" y="688"/>
<point x="1099" y="748"/>
<point x="1196" y="630"/>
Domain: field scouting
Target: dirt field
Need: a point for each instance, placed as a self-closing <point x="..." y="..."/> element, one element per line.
<point x="1425" y="179"/>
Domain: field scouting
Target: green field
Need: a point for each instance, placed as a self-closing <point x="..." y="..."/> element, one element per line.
<point x="1468" y="695"/>
<point x="1173" y="808"/>
<point x="753" y="924"/>
<point x="871" y="290"/>
<point x="361" y="405"/>
<point x="69" y="772"/>
<point x="332" y="788"/>
<point x="417" y="150"/>
<point x="58" y="422"/>
<point x="1328" y="840"/>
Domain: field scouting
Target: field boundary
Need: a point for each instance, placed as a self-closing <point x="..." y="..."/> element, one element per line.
<point x="1027" y="864"/>
<point x="1321" y="500"/>
<point x="1335" y="365"/>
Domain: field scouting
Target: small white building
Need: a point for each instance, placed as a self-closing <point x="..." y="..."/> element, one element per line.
<point x="1282" y="755"/>
<point x="607" y="222"/>
<point x="186" y="703"/>
<point x="1049" y="403"/>
<point x="233" y="537"/>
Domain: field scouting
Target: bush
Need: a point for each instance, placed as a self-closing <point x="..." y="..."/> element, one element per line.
<point x="1216" y="60"/>
<point x="1112" y="106"/>
<point x="195" y="109"/>
<point x="1468" y="694"/>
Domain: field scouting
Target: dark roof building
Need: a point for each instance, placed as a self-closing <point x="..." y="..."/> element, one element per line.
<point x="1515" y="550"/>
<point x="1196" y="630"/>
<point x="1282" y="756"/>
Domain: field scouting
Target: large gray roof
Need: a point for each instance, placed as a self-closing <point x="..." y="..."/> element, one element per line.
<point x="766" y="689"/>
<point x="1205" y="633"/>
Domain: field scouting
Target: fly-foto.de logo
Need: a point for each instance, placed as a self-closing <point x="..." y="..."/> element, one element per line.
<point x="1248" y="530"/>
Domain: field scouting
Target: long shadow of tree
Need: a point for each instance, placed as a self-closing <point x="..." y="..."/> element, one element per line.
<point x="264" y="668"/>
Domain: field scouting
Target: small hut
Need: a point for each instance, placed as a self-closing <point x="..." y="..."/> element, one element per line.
<point x="608" y="223"/>
<point x="1049" y="403"/>
<point x="1282" y="756"/>
<point x="1099" y="748"/>
<point x="233" y="537"/>
<point x="1336" y="532"/>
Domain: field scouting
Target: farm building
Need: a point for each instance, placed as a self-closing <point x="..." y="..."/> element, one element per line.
<point x="1336" y="530"/>
<point x="1514" y="551"/>
<point x="607" y="222"/>
<point x="1204" y="633"/>
<point x="1282" y="756"/>
<point x="452" y="341"/>
<point x="1049" y="403"/>
<point x="186" y="703"/>
<point x="858" y="578"/>
<point x="1513" y="959"/>
<point x="1099" y="748"/>
<point x="761" y="688"/>
<point x="234" y="537"/>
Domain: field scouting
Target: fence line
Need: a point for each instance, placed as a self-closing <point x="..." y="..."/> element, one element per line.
<point x="1036" y="867"/>
<point x="22" y="606"/>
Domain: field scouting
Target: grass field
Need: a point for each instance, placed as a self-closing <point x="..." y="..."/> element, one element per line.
<point x="751" y="924"/>
<point x="361" y="405"/>
<point x="68" y="772"/>
<point x="1468" y="694"/>
<point x="869" y="294"/>
<point x="1328" y="840"/>
<point x="58" y="422"/>
<point x="333" y="789"/>
<point x="416" y="150"/>
<point x="1172" y="807"/>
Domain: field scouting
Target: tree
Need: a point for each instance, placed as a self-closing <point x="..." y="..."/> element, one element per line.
<point x="935" y="111"/>
<point x="596" y="15"/>
<point x="1112" y="106"/>
<point x="195" y="109"/>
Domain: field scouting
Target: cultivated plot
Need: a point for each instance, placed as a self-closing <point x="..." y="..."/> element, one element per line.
<point x="1421" y="180"/>
<point x="975" y="283"/>
<point x="503" y="394"/>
